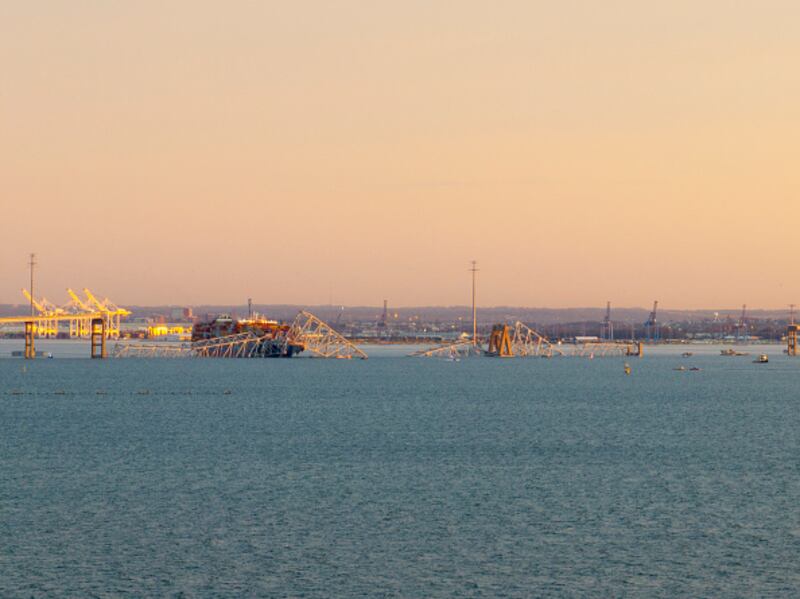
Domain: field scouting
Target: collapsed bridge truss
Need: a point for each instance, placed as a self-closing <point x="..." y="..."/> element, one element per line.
<point x="307" y="332"/>
<point x="521" y="341"/>
<point x="526" y="342"/>
<point x="460" y="349"/>
<point x="607" y="349"/>
<point x="320" y="339"/>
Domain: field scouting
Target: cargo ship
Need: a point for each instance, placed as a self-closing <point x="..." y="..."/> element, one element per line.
<point x="271" y="339"/>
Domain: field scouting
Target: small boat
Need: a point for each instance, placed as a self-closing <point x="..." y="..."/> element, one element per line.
<point x="680" y="368"/>
<point x="687" y="354"/>
<point x="762" y="359"/>
<point x="695" y="369"/>
<point x="732" y="352"/>
<point x="627" y="368"/>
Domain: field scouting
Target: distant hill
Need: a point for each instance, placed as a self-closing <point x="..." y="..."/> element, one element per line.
<point x="447" y="313"/>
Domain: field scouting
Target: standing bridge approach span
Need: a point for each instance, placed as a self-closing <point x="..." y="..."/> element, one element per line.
<point x="75" y="317"/>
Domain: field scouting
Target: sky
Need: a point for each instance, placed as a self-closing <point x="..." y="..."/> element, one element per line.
<point x="345" y="152"/>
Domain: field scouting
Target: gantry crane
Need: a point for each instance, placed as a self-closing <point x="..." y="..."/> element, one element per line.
<point x="110" y="312"/>
<point x="741" y="326"/>
<point x="78" y="302"/>
<point x="651" y="328"/>
<point x="78" y="313"/>
<point x="78" y="326"/>
<point x="383" y="322"/>
<point x="45" y="326"/>
<point x="608" y="326"/>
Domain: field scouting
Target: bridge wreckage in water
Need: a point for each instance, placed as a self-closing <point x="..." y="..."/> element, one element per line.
<point x="225" y="337"/>
<point x="521" y="341"/>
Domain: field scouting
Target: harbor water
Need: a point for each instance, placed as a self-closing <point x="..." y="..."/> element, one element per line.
<point x="400" y="477"/>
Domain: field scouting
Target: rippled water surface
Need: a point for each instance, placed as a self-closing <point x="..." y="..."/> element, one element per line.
<point x="400" y="477"/>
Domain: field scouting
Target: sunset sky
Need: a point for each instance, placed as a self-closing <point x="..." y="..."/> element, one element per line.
<point x="350" y="151"/>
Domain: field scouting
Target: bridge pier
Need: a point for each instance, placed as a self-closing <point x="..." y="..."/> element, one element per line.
<point x="500" y="342"/>
<point x="791" y="339"/>
<point x="98" y="340"/>
<point x="635" y="349"/>
<point x="30" y="345"/>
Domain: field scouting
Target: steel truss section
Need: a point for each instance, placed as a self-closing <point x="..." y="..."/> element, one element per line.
<point x="241" y="345"/>
<point x="603" y="350"/>
<point x="526" y="342"/>
<point x="460" y="349"/>
<point x="128" y="349"/>
<point x="320" y="340"/>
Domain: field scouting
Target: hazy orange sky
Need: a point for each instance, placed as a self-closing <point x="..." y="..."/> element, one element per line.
<point x="303" y="152"/>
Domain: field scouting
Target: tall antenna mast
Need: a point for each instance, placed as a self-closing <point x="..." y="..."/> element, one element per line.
<point x="608" y="326"/>
<point x="32" y="264"/>
<point x="791" y="313"/>
<point x="474" y="271"/>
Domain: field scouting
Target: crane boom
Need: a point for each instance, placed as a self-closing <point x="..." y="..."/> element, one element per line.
<point x="35" y="303"/>
<point x="79" y="302"/>
<point x="94" y="300"/>
<point x="651" y="325"/>
<point x="652" y="319"/>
